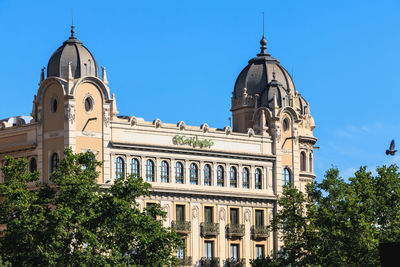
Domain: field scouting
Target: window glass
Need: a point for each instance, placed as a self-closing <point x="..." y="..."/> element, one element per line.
<point x="208" y="214"/>
<point x="259" y="251"/>
<point x="207" y="175"/>
<point x="245" y="178"/>
<point x="233" y="180"/>
<point x="302" y="161"/>
<point x="53" y="162"/>
<point x="258" y="179"/>
<point x="220" y="176"/>
<point x="234" y="216"/>
<point x="285" y="177"/>
<point x="149" y="171"/>
<point x="164" y="172"/>
<point x="180" y="213"/>
<point x="135" y="167"/>
<point x="259" y="218"/>
<point x="310" y="164"/>
<point x="179" y="173"/>
<point x="119" y="168"/>
<point x="32" y="165"/>
<point x="208" y="249"/>
<point x="180" y="252"/>
<point x="193" y="174"/>
<point x="234" y="251"/>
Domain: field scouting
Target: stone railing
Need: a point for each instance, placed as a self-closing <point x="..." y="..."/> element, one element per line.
<point x="260" y="231"/>
<point x="235" y="230"/>
<point x="186" y="261"/>
<point x="235" y="262"/>
<point x="209" y="262"/>
<point x="181" y="227"/>
<point x="209" y="229"/>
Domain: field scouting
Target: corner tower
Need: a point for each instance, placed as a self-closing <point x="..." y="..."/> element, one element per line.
<point x="72" y="106"/>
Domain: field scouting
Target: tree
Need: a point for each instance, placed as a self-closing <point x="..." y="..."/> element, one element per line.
<point x="338" y="222"/>
<point x="73" y="222"/>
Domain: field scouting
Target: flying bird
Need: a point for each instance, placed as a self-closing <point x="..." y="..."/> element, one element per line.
<point x="391" y="149"/>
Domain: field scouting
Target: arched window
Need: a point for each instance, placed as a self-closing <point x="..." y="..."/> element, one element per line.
<point x="149" y="170"/>
<point x="285" y="124"/>
<point x="233" y="180"/>
<point x="258" y="178"/>
<point x="207" y="175"/>
<point x="119" y="168"/>
<point x="194" y="177"/>
<point x="310" y="167"/>
<point x="286" y="177"/>
<point x="164" y="172"/>
<point x="220" y="176"/>
<point x="178" y="173"/>
<point x="32" y="165"/>
<point x="245" y="177"/>
<point x="303" y="161"/>
<point x="53" y="162"/>
<point x="135" y="169"/>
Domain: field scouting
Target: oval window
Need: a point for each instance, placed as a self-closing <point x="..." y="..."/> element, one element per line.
<point x="285" y="124"/>
<point x="88" y="104"/>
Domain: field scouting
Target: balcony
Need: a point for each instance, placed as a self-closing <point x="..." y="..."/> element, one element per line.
<point x="235" y="262"/>
<point x="209" y="229"/>
<point x="209" y="262"/>
<point x="186" y="261"/>
<point x="181" y="227"/>
<point x="260" y="232"/>
<point x="235" y="230"/>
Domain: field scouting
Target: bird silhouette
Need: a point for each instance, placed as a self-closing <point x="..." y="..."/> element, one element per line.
<point x="391" y="151"/>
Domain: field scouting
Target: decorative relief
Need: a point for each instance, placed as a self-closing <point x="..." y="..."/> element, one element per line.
<point x="133" y="120"/>
<point x="165" y="208"/>
<point x="228" y="130"/>
<point x="205" y="127"/>
<point x="157" y="123"/>
<point x="247" y="215"/>
<point x="195" y="212"/>
<point x="222" y="214"/>
<point x="69" y="114"/>
<point x="181" y="125"/>
<point x="250" y="132"/>
<point x="106" y="117"/>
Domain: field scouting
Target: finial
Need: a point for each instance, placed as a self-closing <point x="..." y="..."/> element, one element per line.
<point x="42" y="75"/>
<point x="104" y="78"/>
<point x="72" y="31"/>
<point x="263" y="41"/>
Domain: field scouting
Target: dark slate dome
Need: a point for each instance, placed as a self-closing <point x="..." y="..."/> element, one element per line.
<point x="265" y="76"/>
<point x="82" y="61"/>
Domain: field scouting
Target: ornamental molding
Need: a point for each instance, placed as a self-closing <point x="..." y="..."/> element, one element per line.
<point x="195" y="212"/>
<point x="247" y="215"/>
<point x="69" y="113"/>
<point x="222" y="214"/>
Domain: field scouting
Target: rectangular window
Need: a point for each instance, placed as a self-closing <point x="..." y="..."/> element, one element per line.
<point x="259" y="218"/>
<point x="180" y="252"/>
<point x="259" y="252"/>
<point x="208" y="249"/>
<point x="234" y="216"/>
<point x="180" y="213"/>
<point x="208" y="215"/>
<point x="235" y="251"/>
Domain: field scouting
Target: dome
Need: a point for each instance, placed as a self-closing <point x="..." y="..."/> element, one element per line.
<point x="74" y="52"/>
<point x="264" y="76"/>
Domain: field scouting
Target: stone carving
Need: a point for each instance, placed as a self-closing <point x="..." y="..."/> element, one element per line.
<point x="165" y="208"/>
<point x="247" y="215"/>
<point x="250" y="132"/>
<point x="133" y="120"/>
<point x="69" y="114"/>
<point x="181" y="125"/>
<point x="106" y="117"/>
<point x="205" y="127"/>
<point x="157" y="123"/>
<point x="228" y="130"/>
<point x="195" y="212"/>
<point x="221" y="214"/>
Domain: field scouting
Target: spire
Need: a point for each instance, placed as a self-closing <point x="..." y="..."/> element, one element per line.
<point x="42" y="75"/>
<point x="72" y="32"/>
<point x="263" y="42"/>
<point x="104" y="76"/>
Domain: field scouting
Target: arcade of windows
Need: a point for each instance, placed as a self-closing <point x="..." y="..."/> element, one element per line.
<point x="194" y="170"/>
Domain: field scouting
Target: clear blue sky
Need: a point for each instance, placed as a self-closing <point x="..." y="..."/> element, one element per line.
<point x="178" y="60"/>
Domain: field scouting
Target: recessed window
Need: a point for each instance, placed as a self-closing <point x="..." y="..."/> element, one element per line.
<point x="164" y="172"/>
<point x="286" y="179"/>
<point x="245" y="177"/>
<point x="149" y="170"/>
<point x="53" y="105"/>
<point x="32" y="165"/>
<point x="119" y="168"/>
<point x="53" y="162"/>
<point x="285" y="124"/>
<point x="207" y="175"/>
<point x="88" y="104"/>
<point x="258" y="178"/>
<point x="178" y="173"/>
<point x="194" y="177"/>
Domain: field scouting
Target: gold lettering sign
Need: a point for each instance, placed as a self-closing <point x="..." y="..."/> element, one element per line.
<point x="192" y="141"/>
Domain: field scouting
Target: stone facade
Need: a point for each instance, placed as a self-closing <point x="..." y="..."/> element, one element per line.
<point x="218" y="186"/>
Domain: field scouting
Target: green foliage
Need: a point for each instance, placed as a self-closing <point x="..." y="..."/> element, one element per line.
<point x="339" y="223"/>
<point x="74" y="222"/>
<point x="266" y="262"/>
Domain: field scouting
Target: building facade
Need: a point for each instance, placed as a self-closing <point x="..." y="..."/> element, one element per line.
<point x="219" y="187"/>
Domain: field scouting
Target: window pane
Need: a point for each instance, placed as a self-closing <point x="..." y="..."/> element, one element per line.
<point x="233" y="180"/>
<point x="135" y="167"/>
<point x="259" y="252"/>
<point x="149" y="171"/>
<point x="245" y="178"/>
<point x="259" y="218"/>
<point x="220" y="176"/>
<point x="208" y="249"/>
<point x="258" y="179"/>
<point x="119" y="168"/>
<point x="179" y="173"/>
<point x="234" y="214"/>
<point x="234" y="251"/>
<point x="208" y="214"/>
<point x="207" y="175"/>
<point x="180" y="213"/>
<point x="164" y="172"/>
<point x="193" y="174"/>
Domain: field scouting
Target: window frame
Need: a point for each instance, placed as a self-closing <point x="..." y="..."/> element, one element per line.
<point x="150" y="175"/>
<point x="207" y="175"/>
<point x="258" y="178"/>
<point x="246" y="182"/>
<point x="194" y="174"/>
<point x="164" y="171"/>
<point x="220" y="176"/>
<point x="135" y="167"/>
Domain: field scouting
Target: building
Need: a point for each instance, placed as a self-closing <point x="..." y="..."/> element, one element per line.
<point x="218" y="186"/>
